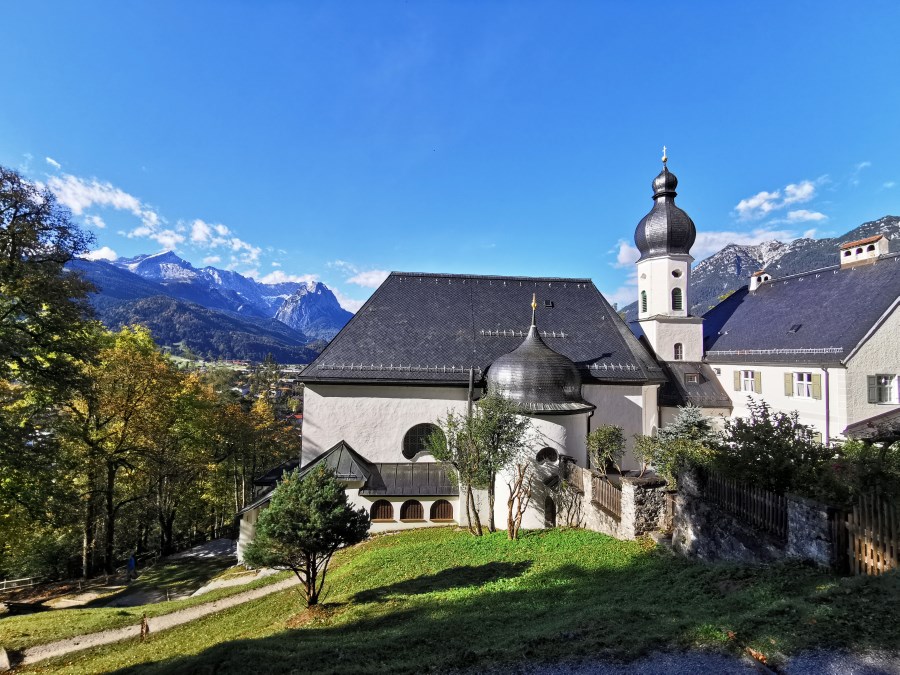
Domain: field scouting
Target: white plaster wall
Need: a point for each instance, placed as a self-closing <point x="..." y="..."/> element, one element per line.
<point x="246" y="531"/>
<point x="810" y="411"/>
<point x="879" y="355"/>
<point x="655" y="277"/>
<point x="662" y="335"/>
<point x="632" y="407"/>
<point x="372" y="419"/>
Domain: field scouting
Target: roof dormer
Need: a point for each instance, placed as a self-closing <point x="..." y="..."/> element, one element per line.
<point x="864" y="250"/>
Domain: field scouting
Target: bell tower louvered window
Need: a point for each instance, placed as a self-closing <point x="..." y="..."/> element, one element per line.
<point x="677" y="300"/>
<point x="643" y="301"/>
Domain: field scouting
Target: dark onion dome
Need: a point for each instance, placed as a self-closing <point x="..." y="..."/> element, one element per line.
<point x="666" y="229"/>
<point x="537" y="378"/>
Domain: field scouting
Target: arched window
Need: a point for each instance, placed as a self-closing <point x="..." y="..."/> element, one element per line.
<point x="847" y="253"/>
<point x="547" y="455"/>
<point x="442" y="510"/>
<point x="382" y="510"/>
<point x="643" y="301"/>
<point x="412" y="510"/>
<point x="677" y="303"/>
<point x="870" y="247"/>
<point x="549" y="512"/>
<point x="679" y="351"/>
<point x="416" y="439"/>
<point x="859" y="250"/>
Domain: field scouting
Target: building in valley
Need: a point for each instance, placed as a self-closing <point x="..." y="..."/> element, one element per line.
<point x="822" y="343"/>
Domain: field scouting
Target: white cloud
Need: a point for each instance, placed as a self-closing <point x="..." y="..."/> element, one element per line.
<point x="854" y="175"/>
<point x="79" y="194"/>
<point x="52" y="162"/>
<point x="764" y="203"/>
<point x="96" y="221"/>
<point x="804" y="216"/>
<point x="370" y="279"/>
<point x="201" y="232"/>
<point x="709" y="242"/>
<point x="102" y="253"/>
<point x="889" y="184"/>
<point x="350" y="304"/>
<point x="168" y="239"/>
<point x="280" y="277"/>
<point x="276" y="264"/>
<point x="625" y="294"/>
<point x="211" y="260"/>
<point x="343" y="266"/>
<point x="626" y="254"/>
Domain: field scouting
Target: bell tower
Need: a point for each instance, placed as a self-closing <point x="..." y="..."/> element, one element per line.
<point x="664" y="238"/>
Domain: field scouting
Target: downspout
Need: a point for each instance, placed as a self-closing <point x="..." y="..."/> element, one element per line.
<point x="471" y="390"/>
<point x="827" y="407"/>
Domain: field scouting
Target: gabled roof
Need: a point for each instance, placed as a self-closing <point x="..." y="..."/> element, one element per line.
<point x="347" y="464"/>
<point x="707" y="392"/>
<point x="815" y="317"/>
<point x="432" y="328"/>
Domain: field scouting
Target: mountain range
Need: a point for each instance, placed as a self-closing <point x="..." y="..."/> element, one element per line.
<point x="212" y="312"/>
<point x="730" y="268"/>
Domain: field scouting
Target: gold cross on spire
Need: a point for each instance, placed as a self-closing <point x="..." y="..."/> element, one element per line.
<point x="533" y="307"/>
<point x="665" y="159"/>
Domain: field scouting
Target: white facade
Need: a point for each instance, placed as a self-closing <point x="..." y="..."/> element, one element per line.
<point x="658" y="278"/>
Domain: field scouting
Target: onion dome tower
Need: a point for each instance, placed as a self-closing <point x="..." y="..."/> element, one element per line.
<point x="664" y="238"/>
<point x="538" y="379"/>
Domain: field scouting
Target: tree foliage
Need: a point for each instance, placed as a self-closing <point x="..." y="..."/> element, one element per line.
<point x="606" y="446"/>
<point x="306" y="522"/>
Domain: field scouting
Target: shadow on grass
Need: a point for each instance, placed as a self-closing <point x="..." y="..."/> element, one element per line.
<point x="454" y="577"/>
<point x="653" y="602"/>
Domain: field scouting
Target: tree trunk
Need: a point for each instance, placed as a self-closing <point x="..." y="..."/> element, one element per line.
<point x="109" y="562"/>
<point x="470" y="501"/>
<point x="88" y="543"/>
<point x="492" y="493"/>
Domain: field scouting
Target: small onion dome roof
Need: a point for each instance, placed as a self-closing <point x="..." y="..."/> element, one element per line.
<point x="537" y="378"/>
<point x="666" y="229"/>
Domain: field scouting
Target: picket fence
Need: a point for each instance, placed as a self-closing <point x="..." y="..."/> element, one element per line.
<point x="762" y="509"/>
<point x="872" y="536"/>
<point x="606" y="495"/>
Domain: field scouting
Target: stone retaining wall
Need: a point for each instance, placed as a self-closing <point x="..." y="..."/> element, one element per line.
<point x="705" y="531"/>
<point x="643" y="507"/>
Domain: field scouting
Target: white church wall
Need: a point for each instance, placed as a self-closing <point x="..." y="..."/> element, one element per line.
<point x="632" y="407"/>
<point x="879" y="355"/>
<point x="372" y="419"/>
<point x="811" y="411"/>
<point x="656" y="277"/>
<point x="663" y="334"/>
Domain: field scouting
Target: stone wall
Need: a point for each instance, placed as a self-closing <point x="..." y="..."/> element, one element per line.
<point x="643" y="507"/>
<point x="705" y="531"/>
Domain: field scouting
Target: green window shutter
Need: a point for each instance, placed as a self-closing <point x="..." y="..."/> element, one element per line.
<point x="816" y="386"/>
<point x="788" y="384"/>
<point x="757" y="382"/>
<point x="873" y="389"/>
<point x="737" y="380"/>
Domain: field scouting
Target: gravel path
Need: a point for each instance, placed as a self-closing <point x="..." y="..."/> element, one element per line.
<point x="156" y="624"/>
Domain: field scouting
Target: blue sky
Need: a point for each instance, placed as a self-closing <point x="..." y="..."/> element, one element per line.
<point x="340" y="140"/>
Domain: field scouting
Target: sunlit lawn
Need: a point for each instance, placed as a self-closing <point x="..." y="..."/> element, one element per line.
<point x="436" y="599"/>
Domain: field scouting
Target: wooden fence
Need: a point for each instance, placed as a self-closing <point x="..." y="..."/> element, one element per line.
<point x="872" y="536"/>
<point x="758" y="508"/>
<point x="606" y="496"/>
<point x="9" y="584"/>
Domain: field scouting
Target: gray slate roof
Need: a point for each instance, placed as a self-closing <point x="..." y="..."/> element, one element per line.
<point x="707" y="393"/>
<point x="431" y="328"/>
<point x="403" y="478"/>
<point x="831" y="310"/>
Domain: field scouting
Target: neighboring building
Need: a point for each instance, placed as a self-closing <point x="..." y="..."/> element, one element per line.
<point x="822" y="343"/>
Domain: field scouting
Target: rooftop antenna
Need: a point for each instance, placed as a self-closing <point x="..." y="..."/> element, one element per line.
<point x="533" y="307"/>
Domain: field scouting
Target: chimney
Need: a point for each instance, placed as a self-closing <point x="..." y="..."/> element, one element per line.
<point x="757" y="279"/>
<point x="864" y="250"/>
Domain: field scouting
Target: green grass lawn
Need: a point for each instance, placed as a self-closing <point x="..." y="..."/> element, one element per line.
<point x="27" y="630"/>
<point x="435" y="599"/>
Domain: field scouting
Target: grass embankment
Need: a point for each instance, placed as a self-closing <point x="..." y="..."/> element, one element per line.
<point x="175" y="577"/>
<point x="436" y="599"/>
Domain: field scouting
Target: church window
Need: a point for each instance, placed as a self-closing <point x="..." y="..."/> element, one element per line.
<point x="859" y="250"/>
<point x="442" y="510"/>
<point x="547" y="456"/>
<point x="803" y="385"/>
<point x="677" y="303"/>
<point x="382" y="510"/>
<point x="412" y="510"/>
<point x="676" y="273"/>
<point x="870" y="247"/>
<point x="643" y="301"/>
<point x="882" y="389"/>
<point x="847" y="253"/>
<point x="679" y="351"/>
<point x="416" y="439"/>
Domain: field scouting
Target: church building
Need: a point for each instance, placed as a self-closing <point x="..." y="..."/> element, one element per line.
<point x="427" y="343"/>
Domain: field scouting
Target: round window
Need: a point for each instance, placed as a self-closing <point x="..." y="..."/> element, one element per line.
<point x="416" y="439"/>
<point x="676" y="273"/>
<point x="547" y="456"/>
